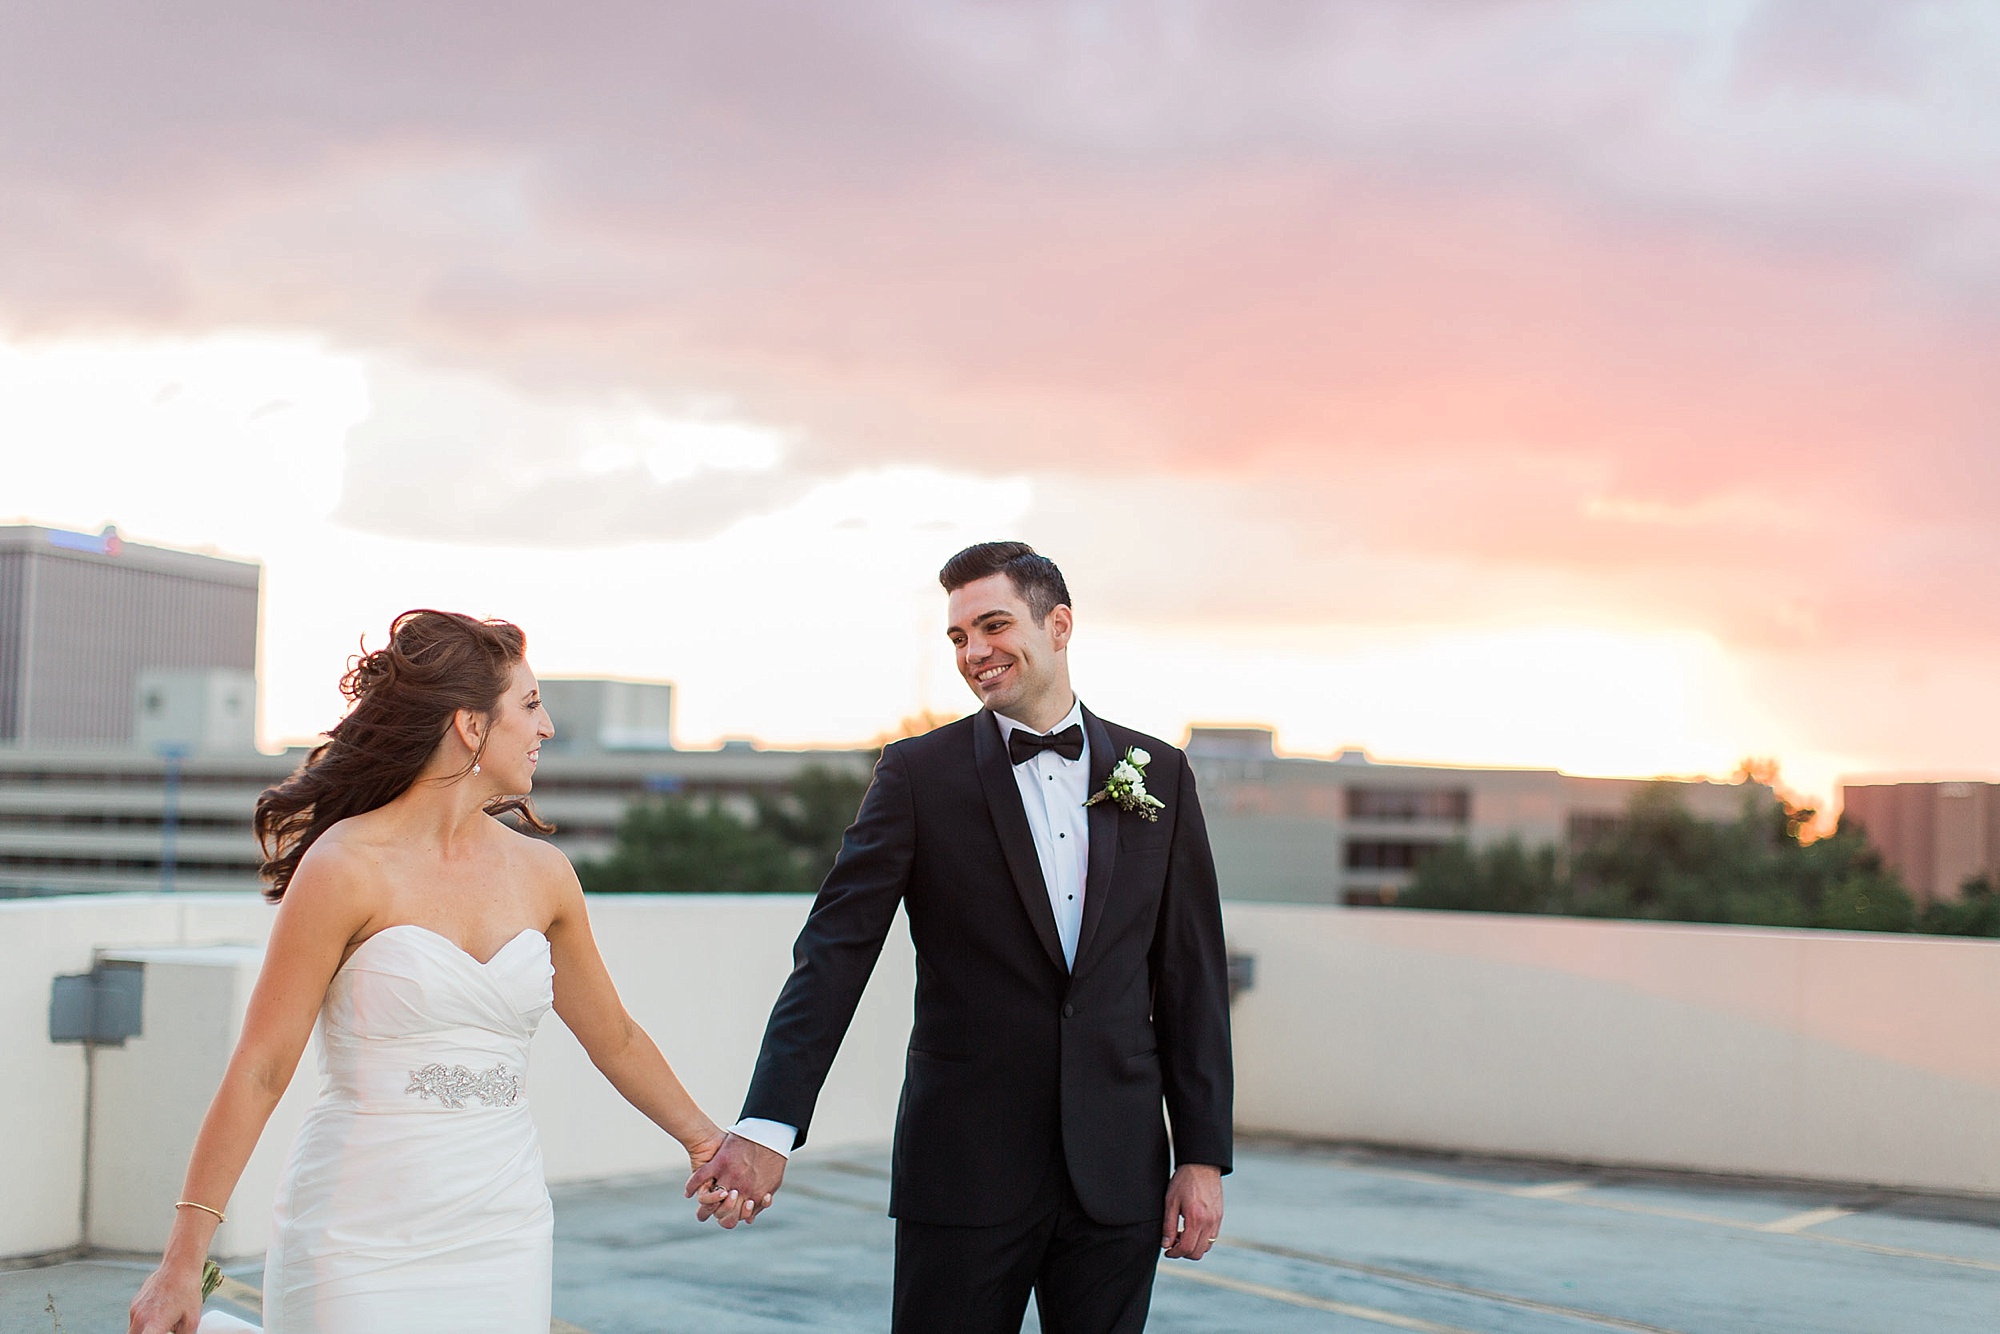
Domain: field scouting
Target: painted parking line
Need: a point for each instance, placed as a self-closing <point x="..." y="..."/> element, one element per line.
<point x="1562" y="1192"/>
<point x="1551" y="1190"/>
<point x="1385" y="1273"/>
<point x="1312" y="1303"/>
<point x="1294" y="1298"/>
<point x="1769" y="1230"/>
<point x="1559" y="1193"/>
<point x="1902" y="1253"/>
<point x="1799" y="1222"/>
<point x="1659" y="1211"/>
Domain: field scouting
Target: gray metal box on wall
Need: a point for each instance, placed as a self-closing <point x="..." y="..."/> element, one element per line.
<point x="105" y="1005"/>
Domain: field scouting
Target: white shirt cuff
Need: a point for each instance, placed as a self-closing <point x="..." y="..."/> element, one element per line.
<point x="773" y="1135"/>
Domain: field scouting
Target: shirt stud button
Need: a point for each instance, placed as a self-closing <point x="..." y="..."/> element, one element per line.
<point x="1069" y="1011"/>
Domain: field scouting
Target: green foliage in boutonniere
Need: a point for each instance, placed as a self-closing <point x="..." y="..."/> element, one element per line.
<point x="1127" y="787"/>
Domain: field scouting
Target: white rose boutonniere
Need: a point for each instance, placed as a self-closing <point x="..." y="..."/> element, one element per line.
<point x="1127" y="787"/>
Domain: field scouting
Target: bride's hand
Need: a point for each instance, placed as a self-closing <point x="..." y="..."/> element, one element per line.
<point x="169" y="1302"/>
<point x="700" y="1150"/>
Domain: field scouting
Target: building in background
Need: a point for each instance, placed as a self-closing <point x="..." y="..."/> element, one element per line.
<point x="597" y="714"/>
<point x="1350" y="830"/>
<point x="202" y="712"/>
<point x="1936" y="836"/>
<point x="1346" y="830"/>
<point x="106" y="643"/>
<point x="95" y="821"/>
<point x="128" y="709"/>
<point x="128" y="760"/>
<point x="1343" y="831"/>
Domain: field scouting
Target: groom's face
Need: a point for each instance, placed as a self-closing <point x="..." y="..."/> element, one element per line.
<point x="1011" y="663"/>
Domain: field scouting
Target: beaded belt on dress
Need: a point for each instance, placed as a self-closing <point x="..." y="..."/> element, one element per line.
<point x="454" y="1085"/>
<point x="423" y="1074"/>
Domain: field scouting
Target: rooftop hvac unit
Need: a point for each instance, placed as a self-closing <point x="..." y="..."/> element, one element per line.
<point x="196" y="712"/>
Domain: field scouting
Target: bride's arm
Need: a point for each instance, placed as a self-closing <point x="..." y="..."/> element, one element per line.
<point x="321" y="912"/>
<point x="588" y="1003"/>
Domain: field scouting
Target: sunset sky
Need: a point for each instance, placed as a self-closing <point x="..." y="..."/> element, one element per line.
<point x="1611" y="386"/>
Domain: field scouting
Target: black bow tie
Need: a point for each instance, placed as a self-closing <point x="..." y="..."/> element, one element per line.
<point x="1023" y="745"/>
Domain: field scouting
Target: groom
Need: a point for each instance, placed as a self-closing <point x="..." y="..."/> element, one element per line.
<point x="1070" y="980"/>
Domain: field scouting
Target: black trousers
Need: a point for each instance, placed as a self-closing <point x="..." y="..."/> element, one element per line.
<point x="1087" y="1277"/>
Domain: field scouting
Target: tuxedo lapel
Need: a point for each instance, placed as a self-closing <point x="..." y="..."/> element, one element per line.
<point x="1103" y="834"/>
<point x="1010" y="821"/>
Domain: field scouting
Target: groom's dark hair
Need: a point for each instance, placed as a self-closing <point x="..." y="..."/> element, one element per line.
<point x="1035" y="577"/>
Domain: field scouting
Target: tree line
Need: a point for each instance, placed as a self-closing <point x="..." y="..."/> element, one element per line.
<point x="681" y="843"/>
<point x="1659" y="862"/>
<point x="1662" y="863"/>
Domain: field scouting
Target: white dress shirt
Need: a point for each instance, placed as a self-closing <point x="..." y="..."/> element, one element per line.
<point x="1053" y="790"/>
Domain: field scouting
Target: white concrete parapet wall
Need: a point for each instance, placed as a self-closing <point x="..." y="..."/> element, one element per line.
<point x="698" y="972"/>
<point x="1810" y="1054"/>
<point x="1827" y="1055"/>
<point x="149" y="1095"/>
<point x="42" y="1114"/>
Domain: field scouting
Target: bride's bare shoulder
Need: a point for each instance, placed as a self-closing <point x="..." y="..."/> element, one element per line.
<point x="346" y="847"/>
<point x="544" y="867"/>
<point x="337" y="890"/>
<point x="343" y="863"/>
<point x="540" y="857"/>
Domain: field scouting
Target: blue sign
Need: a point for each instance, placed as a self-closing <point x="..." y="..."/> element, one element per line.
<point x="106" y="543"/>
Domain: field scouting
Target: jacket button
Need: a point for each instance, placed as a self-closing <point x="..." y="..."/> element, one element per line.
<point x="1068" y="1011"/>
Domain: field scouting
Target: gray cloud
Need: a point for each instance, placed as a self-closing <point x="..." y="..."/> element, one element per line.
<point x="565" y="509"/>
<point x="453" y="457"/>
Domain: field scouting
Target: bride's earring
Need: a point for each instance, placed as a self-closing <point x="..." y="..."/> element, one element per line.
<point x="475" y="767"/>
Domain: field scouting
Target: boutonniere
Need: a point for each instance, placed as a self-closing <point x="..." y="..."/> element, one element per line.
<point x="1127" y="787"/>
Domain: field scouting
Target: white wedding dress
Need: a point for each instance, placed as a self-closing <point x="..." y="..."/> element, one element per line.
<point x="414" y="1200"/>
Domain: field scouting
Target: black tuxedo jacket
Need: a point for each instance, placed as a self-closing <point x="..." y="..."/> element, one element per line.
<point x="1012" y="1053"/>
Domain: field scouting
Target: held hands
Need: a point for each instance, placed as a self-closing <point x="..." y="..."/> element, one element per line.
<point x="736" y="1183"/>
<point x="700" y="1151"/>
<point x="702" y="1148"/>
<point x="1194" y="1212"/>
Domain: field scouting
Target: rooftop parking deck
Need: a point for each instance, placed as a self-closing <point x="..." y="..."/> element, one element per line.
<point x="1766" y="1055"/>
<point x="1321" y="1239"/>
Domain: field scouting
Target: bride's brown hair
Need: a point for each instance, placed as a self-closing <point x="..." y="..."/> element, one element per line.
<point x="403" y="699"/>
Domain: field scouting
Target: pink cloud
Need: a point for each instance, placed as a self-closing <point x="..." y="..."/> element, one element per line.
<point x="1673" y="315"/>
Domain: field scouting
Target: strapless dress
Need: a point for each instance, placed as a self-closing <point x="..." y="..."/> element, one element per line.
<point x="414" y="1199"/>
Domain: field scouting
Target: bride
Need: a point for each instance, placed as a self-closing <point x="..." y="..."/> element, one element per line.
<point x="425" y="940"/>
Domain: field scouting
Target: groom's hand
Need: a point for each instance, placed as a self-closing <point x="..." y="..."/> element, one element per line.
<point x="1194" y="1211"/>
<point x="738" y="1183"/>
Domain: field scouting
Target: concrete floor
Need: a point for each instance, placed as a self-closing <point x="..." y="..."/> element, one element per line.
<point x="1318" y="1239"/>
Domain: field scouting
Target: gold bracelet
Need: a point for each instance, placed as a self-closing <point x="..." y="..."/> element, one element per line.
<point x="220" y="1217"/>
